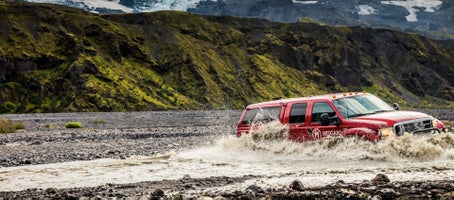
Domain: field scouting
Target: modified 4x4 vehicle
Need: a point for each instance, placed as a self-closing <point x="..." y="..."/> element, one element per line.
<point x="345" y="114"/>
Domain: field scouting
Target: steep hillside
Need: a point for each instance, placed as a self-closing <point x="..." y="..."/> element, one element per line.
<point x="55" y="59"/>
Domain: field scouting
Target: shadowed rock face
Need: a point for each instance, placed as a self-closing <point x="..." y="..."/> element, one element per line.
<point x="54" y="59"/>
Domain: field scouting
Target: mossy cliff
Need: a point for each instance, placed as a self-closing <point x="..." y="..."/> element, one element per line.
<point x="58" y="59"/>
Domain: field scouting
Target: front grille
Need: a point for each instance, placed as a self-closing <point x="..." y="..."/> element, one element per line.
<point x="413" y="126"/>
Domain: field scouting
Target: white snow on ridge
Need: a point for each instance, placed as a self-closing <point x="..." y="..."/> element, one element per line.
<point x="304" y="2"/>
<point x="173" y="5"/>
<point x="366" y="10"/>
<point x="111" y="4"/>
<point x="108" y="4"/>
<point x="413" y="5"/>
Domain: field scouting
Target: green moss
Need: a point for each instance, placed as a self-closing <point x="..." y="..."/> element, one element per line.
<point x="100" y="121"/>
<point x="8" y="126"/>
<point x="51" y="126"/>
<point x="7" y="107"/>
<point x="73" y="125"/>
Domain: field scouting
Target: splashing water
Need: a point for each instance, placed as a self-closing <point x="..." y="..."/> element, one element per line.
<point x="264" y="153"/>
<point x="271" y="138"/>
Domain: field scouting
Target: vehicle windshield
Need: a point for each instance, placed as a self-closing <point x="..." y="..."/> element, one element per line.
<point x="360" y="105"/>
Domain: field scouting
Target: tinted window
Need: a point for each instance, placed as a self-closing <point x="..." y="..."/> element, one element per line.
<point x="320" y="108"/>
<point x="249" y="116"/>
<point x="298" y="113"/>
<point x="261" y="115"/>
<point x="267" y="114"/>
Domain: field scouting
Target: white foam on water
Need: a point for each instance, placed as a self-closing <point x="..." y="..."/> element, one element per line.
<point x="264" y="153"/>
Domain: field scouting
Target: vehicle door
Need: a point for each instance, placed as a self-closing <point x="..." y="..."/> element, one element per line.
<point x="316" y="129"/>
<point x="297" y="121"/>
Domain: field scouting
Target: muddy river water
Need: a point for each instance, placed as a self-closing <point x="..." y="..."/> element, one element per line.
<point x="273" y="161"/>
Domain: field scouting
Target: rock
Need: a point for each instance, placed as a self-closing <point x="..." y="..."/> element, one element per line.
<point x="26" y="162"/>
<point x="37" y="142"/>
<point x="340" y="182"/>
<point x="50" y="191"/>
<point x="376" y="197"/>
<point x="204" y="198"/>
<point x="380" y="178"/>
<point x="177" y="197"/>
<point x="388" y="193"/>
<point x="186" y="177"/>
<point x="255" y="189"/>
<point x="219" y="198"/>
<point x="157" y="194"/>
<point x="347" y="191"/>
<point x="296" y="185"/>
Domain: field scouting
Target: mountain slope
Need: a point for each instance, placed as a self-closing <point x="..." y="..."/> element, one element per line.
<point x="429" y="17"/>
<point x="55" y="59"/>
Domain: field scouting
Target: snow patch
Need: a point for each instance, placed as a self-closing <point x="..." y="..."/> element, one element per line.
<point x="173" y="5"/>
<point x="304" y="2"/>
<point x="91" y="4"/>
<point x="366" y="10"/>
<point x="413" y="6"/>
<point x="115" y="4"/>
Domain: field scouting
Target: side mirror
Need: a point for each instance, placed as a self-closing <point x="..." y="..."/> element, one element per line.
<point x="326" y="120"/>
<point x="396" y="106"/>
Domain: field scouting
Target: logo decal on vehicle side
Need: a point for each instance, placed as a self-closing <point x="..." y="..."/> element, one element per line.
<point x="316" y="133"/>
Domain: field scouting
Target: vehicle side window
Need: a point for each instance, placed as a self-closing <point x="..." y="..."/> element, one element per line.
<point x="298" y="113"/>
<point x="249" y="116"/>
<point x="261" y="115"/>
<point x="319" y="109"/>
<point x="267" y="114"/>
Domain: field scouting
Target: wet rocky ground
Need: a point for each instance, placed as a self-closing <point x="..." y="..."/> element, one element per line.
<point x="110" y="135"/>
<point x="120" y="135"/>
<point x="183" y="189"/>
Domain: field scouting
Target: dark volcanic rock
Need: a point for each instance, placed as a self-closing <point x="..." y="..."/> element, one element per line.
<point x="296" y="185"/>
<point x="380" y="178"/>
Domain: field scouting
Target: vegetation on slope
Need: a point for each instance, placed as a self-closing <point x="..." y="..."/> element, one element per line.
<point x="57" y="59"/>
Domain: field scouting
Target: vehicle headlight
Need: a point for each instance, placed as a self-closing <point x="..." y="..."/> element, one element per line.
<point x="387" y="132"/>
<point x="438" y="124"/>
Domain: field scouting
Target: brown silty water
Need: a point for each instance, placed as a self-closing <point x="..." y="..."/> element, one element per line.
<point x="262" y="153"/>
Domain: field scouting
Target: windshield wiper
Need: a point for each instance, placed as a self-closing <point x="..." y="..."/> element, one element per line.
<point x="359" y="114"/>
<point x="380" y="111"/>
<point x="362" y="114"/>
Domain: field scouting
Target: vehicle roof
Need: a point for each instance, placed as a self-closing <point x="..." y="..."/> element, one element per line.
<point x="311" y="98"/>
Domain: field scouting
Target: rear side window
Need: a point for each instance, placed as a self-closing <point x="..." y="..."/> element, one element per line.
<point x="261" y="115"/>
<point x="298" y="113"/>
<point x="249" y="116"/>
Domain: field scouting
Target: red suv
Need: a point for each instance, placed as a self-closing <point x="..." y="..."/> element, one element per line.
<point x="345" y="114"/>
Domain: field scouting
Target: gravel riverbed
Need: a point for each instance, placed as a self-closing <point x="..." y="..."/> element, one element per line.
<point x="122" y="135"/>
